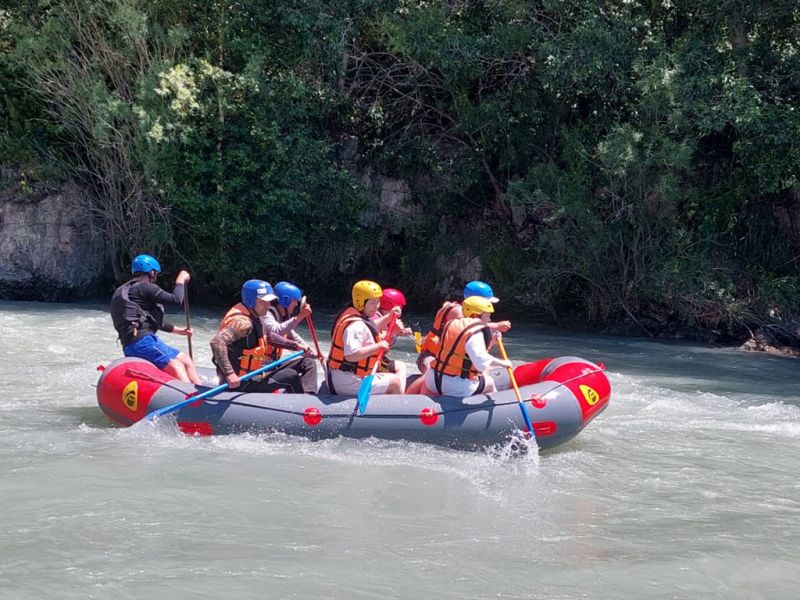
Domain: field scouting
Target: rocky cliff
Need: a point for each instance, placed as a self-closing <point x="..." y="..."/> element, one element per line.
<point x="50" y="247"/>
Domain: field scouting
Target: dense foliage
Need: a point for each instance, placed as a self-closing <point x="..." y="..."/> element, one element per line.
<point x="609" y="161"/>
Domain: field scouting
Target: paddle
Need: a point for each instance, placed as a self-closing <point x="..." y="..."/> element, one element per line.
<point x="525" y="416"/>
<point x="186" y="312"/>
<point x="220" y="388"/>
<point x="418" y="341"/>
<point x="313" y="335"/>
<point x="366" y="383"/>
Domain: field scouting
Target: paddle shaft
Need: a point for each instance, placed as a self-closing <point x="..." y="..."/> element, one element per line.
<point x="220" y="388"/>
<point x="382" y="351"/>
<point x="366" y="384"/>
<point x="188" y="323"/>
<point x="525" y="416"/>
<point x="316" y="340"/>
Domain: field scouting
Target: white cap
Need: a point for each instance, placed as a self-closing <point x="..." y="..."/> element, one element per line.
<point x="265" y="294"/>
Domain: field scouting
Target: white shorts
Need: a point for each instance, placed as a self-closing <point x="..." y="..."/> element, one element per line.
<point x="452" y="386"/>
<point x="347" y="384"/>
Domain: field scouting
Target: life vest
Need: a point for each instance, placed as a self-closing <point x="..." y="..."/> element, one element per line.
<point x="273" y="352"/>
<point x="431" y="341"/>
<point x="452" y="358"/>
<point x="336" y="359"/>
<point x="251" y="351"/>
<point x="130" y="318"/>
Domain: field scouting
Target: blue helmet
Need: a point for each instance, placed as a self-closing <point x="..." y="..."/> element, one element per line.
<point x="479" y="288"/>
<point x="256" y="288"/>
<point x="287" y="292"/>
<point x="144" y="263"/>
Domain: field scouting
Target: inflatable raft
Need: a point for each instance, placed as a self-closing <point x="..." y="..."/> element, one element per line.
<point x="562" y="396"/>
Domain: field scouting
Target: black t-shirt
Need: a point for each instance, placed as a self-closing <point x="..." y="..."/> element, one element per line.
<point x="151" y="299"/>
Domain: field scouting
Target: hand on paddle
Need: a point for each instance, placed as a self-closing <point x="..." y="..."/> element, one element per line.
<point x="501" y="326"/>
<point x="183" y="278"/>
<point x="497" y="330"/>
<point x="232" y="380"/>
<point x="309" y="351"/>
<point x="182" y="331"/>
<point x="403" y="330"/>
<point x="304" y="312"/>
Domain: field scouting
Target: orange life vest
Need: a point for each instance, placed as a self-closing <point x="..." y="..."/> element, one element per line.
<point x="431" y="341"/>
<point x="452" y="358"/>
<point x="336" y="359"/>
<point x="252" y="351"/>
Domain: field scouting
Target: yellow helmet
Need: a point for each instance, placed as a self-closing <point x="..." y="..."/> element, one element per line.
<point x="364" y="290"/>
<point x="476" y="305"/>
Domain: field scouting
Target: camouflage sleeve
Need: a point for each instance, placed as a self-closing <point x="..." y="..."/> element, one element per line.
<point x="236" y="329"/>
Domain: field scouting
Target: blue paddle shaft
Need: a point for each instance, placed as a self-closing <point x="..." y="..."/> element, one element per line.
<point x="220" y="388"/>
<point x="526" y="417"/>
<point x="363" y="393"/>
<point x="366" y="384"/>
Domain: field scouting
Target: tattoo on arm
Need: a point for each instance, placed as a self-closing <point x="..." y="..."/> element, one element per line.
<point x="236" y="329"/>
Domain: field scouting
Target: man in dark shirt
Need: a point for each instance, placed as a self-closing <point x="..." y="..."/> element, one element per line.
<point x="137" y="309"/>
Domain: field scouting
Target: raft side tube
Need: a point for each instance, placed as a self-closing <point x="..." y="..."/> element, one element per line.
<point x="556" y="408"/>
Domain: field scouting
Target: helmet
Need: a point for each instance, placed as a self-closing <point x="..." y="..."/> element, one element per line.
<point x="287" y="292"/>
<point x="144" y="263"/>
<point x="476" y="305"/>
<point x="364" y="290"/>
<point x="391" y="298"/>
<point x="479" y="288"/>
<point x="256" y="288"/>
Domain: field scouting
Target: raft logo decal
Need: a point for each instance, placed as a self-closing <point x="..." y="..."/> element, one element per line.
<point x="130" y="395"/>
<point x="589" y="394"/>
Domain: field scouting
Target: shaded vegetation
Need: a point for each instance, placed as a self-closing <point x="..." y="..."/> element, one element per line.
<point x="619" y="161"/>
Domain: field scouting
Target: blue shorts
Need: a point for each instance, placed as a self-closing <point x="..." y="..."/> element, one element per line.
<point x="150" y="347"/>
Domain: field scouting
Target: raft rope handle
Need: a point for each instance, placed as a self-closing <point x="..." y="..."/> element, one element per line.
<point x="349" y="415"/>
<point x="149" y="377"/>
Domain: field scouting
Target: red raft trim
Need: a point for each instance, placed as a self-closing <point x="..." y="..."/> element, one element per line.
<point x="190" y="428"/>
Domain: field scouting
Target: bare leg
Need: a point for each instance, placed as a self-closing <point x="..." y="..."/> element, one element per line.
<point x="396" y="386"/>
<point x="191" y="371"/>
<point x="175" y="368"/>
<point x="402" y="375"/>
<point x="416" y="386"/>
<point x="426" y="390"/>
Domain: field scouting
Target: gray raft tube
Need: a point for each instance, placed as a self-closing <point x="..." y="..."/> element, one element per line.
<point x="562" y="395"/>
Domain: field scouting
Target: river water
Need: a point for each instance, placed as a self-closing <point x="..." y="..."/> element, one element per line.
<point x="687" y="486"/>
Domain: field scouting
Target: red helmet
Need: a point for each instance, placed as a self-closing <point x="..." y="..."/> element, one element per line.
<point x="391" y="298"/>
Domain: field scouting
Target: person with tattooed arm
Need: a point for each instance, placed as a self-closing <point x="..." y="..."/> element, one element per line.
<point x="242" y="345"/>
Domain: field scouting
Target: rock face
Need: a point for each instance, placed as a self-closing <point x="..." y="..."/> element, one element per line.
<point x="50" y="248"/>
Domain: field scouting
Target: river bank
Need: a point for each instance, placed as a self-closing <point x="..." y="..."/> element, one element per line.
<point x="55" y="248"/>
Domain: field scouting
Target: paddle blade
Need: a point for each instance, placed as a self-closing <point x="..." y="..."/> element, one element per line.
<point x="363" y="393"/>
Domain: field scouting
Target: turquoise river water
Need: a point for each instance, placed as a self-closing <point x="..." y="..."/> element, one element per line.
<point x="687" y="486"/>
